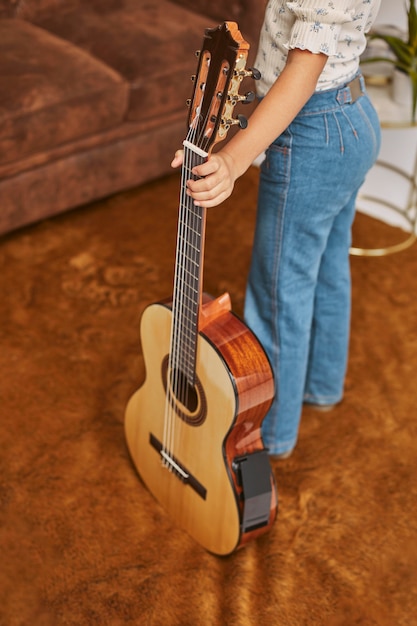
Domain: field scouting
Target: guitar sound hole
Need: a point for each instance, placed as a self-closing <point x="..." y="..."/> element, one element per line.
<point x="189" y="401"/>
<point x="183" y="391"/>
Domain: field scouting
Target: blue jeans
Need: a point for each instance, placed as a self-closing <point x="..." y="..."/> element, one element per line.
<point x="298" y="293"/>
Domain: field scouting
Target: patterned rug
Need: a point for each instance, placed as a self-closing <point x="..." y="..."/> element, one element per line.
<point x="83" y="543"/>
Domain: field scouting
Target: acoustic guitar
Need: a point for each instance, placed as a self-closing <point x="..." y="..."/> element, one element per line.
<point x="193" y="427"/>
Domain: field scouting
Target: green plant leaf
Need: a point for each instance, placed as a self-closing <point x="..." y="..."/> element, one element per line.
<point x="400" y="48"/>
<point x="413" y="77"/>
<point x="412" y="26"/>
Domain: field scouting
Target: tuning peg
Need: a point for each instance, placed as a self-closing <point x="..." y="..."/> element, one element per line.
<point x="240" y="120"/>
<point x="246" y="99"/>
<point x="252" y="72"/>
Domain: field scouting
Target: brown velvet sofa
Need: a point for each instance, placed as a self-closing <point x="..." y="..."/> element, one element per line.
<point x="93" y="95"/>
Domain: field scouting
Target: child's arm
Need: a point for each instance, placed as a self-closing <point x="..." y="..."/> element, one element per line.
<point x="272" y="116"/>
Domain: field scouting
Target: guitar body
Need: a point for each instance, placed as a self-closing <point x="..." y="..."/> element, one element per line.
<point x="213" y="436"/>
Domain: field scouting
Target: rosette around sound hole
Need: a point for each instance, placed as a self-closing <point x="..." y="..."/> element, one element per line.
<point x="189" y="401"/>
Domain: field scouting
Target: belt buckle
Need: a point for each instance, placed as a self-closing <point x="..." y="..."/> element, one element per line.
<point x="355" y="89"/>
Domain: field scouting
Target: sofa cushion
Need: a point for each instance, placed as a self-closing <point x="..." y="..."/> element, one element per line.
<point x="27" y="8"/>
<point x="151" y="44"/>
<point x="6" y="8"/>
<point x="51" y="92"/>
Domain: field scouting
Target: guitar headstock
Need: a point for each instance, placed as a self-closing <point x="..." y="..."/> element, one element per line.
<point x="220" y="71"/>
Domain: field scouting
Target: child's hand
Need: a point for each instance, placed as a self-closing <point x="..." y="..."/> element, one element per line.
<point x="215" y="179"/>
<point x="178" y="158"/>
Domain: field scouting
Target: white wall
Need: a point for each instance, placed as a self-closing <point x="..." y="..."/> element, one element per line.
<point x="393" y="12"/>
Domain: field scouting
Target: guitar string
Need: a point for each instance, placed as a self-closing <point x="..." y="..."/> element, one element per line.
<point x="174" y="365"/>
<point x="187" y="337"/>
<point x="179" y="380"/>
<point x="183" y="357"/>
<point x="179" y="384"/>
<point x="189" y="322"/>
<point x="171" y="365"/>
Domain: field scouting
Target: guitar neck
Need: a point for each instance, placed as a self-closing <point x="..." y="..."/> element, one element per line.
<point x="221" y="69"/>
<point x="187" y="293"/>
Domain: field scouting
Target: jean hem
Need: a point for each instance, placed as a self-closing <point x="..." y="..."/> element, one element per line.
<point x="321" y="400"/>
<point x="281" y="448"/>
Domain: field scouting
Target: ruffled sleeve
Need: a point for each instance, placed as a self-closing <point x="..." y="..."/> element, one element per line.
<point x="318" y="24"/>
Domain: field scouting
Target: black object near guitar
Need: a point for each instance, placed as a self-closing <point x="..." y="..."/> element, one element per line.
<point x="193" y="427"/>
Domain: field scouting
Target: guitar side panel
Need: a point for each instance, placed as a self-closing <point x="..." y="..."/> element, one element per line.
<point x="254" y="383"/>
<point x="212" y="520"/>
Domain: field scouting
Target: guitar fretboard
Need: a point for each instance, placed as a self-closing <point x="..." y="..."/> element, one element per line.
<point x="188" y="273"/>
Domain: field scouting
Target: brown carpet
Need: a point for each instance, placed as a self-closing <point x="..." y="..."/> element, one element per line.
<point x="83" y="543"/>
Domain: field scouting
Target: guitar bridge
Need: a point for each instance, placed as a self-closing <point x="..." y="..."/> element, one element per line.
<point x="253" y="472"/>
<point x="174" y="465"/>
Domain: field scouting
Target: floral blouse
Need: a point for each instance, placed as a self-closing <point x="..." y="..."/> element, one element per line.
<point x="336" y="28"/>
